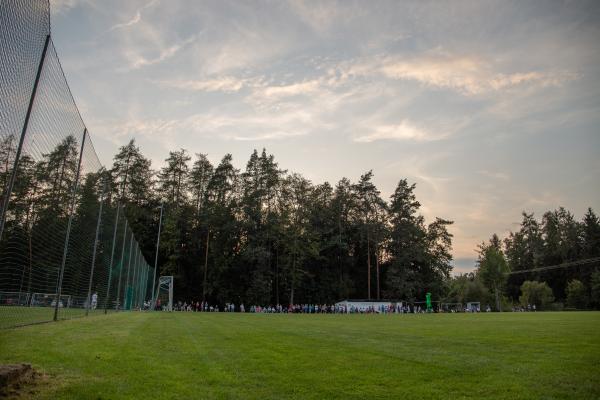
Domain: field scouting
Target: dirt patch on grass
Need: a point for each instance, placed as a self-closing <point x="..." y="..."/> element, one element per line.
<point x="20" y="381"/>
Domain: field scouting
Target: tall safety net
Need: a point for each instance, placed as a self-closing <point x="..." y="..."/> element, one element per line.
<point x="66" y="248"/>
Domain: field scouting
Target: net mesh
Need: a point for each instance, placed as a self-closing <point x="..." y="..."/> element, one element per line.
<point x="66" y="249"/>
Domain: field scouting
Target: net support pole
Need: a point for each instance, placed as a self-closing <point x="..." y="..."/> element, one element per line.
<point x="112" y="259"/>
<point x="134" y="278"/>
<point x="171" y="294"/>
<point x="98" y="222"/>
<point x="69" y="224"/>
<point x="156" y="256"/>
<point x="138" y="267"/>
<point x="118" y="304"/>
<point x="146" y="281"/>
<point x="9" y="187"/>
<point x="127" y="296"/>
<point x="142" y="282"/>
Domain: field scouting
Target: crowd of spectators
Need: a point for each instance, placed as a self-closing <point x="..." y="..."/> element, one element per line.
<point x="391" y="308"/>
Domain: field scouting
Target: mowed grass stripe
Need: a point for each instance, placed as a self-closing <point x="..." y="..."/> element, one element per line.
<point x="220" y="355"/>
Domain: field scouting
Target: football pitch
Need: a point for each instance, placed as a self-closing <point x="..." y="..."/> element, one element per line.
<point x="140" y="355"/>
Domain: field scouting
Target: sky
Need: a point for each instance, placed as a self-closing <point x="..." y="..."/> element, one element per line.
<point x="491" y="107"/>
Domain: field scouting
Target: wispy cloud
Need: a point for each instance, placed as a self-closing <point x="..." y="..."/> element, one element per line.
<point x="136" y="18"/>
<point x="62" y="6"/>
<point x="227" y="84"/>
<point x="468" y="75"/>
<point x="137" y="61"/>
<point x="299" y="88"/>
<point x="405" y="130"/>
<point x="495" y="175"/>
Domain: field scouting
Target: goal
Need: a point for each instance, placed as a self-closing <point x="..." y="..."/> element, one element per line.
<point x="14" y="298"/>
<point x="163" y="300"/>
<point x="49" y="300"/>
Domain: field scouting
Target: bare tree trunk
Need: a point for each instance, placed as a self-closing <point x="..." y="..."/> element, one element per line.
<point x="205" y="266"/>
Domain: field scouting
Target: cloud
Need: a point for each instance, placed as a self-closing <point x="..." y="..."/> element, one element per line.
<point x="62" y="6"/>
<point x="405" y="130"/>
<point x="226" y="84"/>
<point x="294" y="89"/>
<point x="495" y="175"/>
<point x="136" y="18"/>
<point x="277" y="135"/>
<point x="216" y="124"/>
<point x="322" y="17"/>
<point x="468" y="75"/>
<point x="138" y="61"/>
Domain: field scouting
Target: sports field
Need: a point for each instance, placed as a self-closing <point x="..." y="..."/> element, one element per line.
<point x="270" y="356"/>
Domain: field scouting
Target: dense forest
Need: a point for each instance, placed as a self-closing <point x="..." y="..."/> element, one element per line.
<point x="268" y="236"/>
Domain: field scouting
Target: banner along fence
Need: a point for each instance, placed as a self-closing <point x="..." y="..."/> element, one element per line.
<point x="66" y="248"/>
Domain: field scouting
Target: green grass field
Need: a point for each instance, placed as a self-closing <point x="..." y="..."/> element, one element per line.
<point x="199" y="355"/>
<point x="18" y="316"/>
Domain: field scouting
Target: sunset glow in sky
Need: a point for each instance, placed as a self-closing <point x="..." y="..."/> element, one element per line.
<point x="491" y="107"/>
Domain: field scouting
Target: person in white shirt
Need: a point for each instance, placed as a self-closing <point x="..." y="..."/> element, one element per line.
<point x="94" y="300"/>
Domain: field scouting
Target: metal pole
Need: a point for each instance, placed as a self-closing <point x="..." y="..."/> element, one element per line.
<point x="135" y="277"/>
<point x="11" y="181"/>
<point x="68" y="234"/>
<point x="126" y="299"/>
<point x="89" y="293"/>
<point x="138" y="282"/>
<point x="112" y="258"/>
<point x="143" y="283"/>
<point x="171" y="293"/>
<point x="146" y="281"/>
<point x="118" y="305"/>
<point x="156" y="255"/>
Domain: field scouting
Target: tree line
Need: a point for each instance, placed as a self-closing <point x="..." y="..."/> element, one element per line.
<point x="556" y="241"/>
<point x="268" y="236"/>
<point x="263" y="235"/>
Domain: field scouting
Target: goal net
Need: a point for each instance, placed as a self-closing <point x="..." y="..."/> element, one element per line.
<point x="473" y="306"/>
<point x="14" y="298"/>
<point x="163" y="299"/>
<point x="452" y="307"/>
<point x="49" y="300"/>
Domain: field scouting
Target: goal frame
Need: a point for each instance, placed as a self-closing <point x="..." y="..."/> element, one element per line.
<point x="52" y="297"/>
<point x="164" y="283"/>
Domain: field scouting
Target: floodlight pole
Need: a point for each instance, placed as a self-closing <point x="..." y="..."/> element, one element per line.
<point x="156" y="255"/>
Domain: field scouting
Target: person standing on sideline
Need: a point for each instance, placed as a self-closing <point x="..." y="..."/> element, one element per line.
<point x="94" y="300"/>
